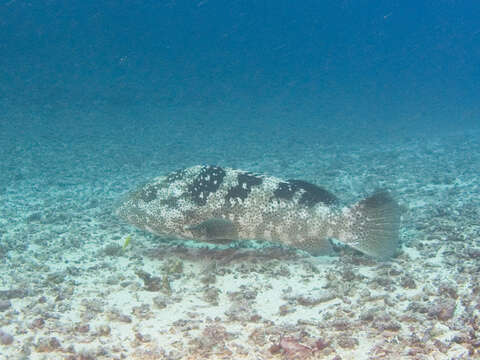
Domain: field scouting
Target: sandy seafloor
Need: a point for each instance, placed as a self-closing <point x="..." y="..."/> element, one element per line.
<point x="69" y="291"/>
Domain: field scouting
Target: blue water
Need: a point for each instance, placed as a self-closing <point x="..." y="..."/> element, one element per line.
<point x="187" y="82"/>
<point x="388" y="66"/>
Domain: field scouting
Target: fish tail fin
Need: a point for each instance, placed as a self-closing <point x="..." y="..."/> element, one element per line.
<point x="372" y="225"/>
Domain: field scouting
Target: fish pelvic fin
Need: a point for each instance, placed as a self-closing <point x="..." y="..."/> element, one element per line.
<point x="372" y="226"/>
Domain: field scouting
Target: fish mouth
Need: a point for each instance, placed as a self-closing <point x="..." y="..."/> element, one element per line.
<point x="121" y="207"/>
<point x="128" y="210"/>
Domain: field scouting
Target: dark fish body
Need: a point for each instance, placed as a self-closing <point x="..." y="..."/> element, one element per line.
<point x="215" y="204"/>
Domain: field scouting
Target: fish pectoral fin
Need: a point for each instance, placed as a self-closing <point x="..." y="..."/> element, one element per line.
<point x="215" y="230"/>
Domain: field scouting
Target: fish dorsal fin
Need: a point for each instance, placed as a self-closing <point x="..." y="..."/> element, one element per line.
<point x="215" y="230"/>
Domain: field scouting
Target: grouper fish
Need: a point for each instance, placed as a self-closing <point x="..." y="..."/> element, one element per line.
<point x="220" y="205"/>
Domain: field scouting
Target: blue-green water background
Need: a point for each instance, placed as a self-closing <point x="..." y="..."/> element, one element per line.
<point x="172" y="78"/>
<point x="99" y="96"/>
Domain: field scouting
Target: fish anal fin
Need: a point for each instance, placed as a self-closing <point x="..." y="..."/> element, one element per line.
<point x="316" y="246"/>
